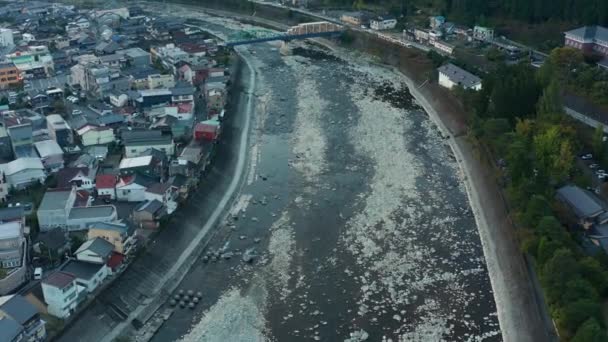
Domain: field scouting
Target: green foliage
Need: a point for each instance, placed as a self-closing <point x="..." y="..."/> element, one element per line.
<point x="590" y="331"/>
<point x="554" y="154"/>
<point x="436" y="58"/>
<point x="573" y="315"/>
<point x="538" y="208"/>
<point x="557" y="271"/>
<point x="550" y="107"/>
<point x="597" y="142"/>
<point x="495" y="55"/>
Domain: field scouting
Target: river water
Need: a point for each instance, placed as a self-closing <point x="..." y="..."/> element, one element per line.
<point x="356" y="210"/>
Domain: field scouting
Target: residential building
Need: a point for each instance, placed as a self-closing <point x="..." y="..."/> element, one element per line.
<point x="168" y="55"/>
<point x="483" y="33"/>
<point x="353" y="18"/>
<point x="148" y="214"/>
<point x="207" y="130"/>
<point x="79" y="218"/>
<point x="147" y="165"/>
<point x="443" y="46"/>
<point x="94" y="135"/>
<point x="6" y="37"/>
<point x="131" y="188"/>
<point x="182" y="93"/>
<point x="22" y="172"/>
<point x="136" y="142"/>
<point x="113" y="60"/>
<point x="9" y="75"/>
<point x="161" y="81"/>
<point x="106" y="186"/>
<point x="436" y="22"/>
<point x="421" y="35"/>
<point x="50" y="154"/>
<point x="136" y="56"/>
<point x="88" y="275"/>
<point x="160" y="192"/>
<point x="451" y="76"/>
<point x="76" y="177"/>
<point x="95" y="251"/>
<point x="59" y="130"/>
<point x="10" y="330"/>
<point x="119" y="234"/>
<point x="54" y="208"/>
<point x="589" y="39"/>
<point x="383" y="23"/>
<point x="13" y="256"/>
<point x="584" y="206"/>
<point x="118" y="98"/>
<point x="18" y="309"/>
<point x="62" y="294"/>
<point x="152" y="97"/>
<point x="216" y="99"/>
<point x="33" y="60"/>
<point x="21" y="136"/>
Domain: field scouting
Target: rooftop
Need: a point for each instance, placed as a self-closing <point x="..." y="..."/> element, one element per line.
<point x="9" y="329"/>
<point x="21" y="164"/>
<point x="98" y="246"/>
<point x="105" y="181"/>
<point x="583" y="203"/>
<point x="19" y="309"/>
<point x="120" y="227"/>
<point x="10" y="230"/>
<point x="143" y="138"/>
<point x="459" y="75"/>
<point x="127" y="163"/>
<point x="55" y="199"/>
<point x="92" y="212"/>
<point x="594" y="33"/>
<point x="48" y="148"/>
<point x="59" y="279"/>
<point x="82" y="270"/>
<point x="11" y="214"/>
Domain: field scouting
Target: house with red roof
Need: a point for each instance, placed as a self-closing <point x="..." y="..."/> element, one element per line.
<point x="106" y="186"/>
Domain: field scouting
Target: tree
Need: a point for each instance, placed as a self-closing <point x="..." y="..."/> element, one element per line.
<point x="592" y="270"/>
<point x="570" y="317"/>
<point x="554" y="154"/>
<point x="557" y="271"/>
<point x="550" y="106"/>
<point x="537" y="208"/>
<point x="598" y="142"/>
<point x="577" y="289"/>
<point x="590" y="331"/>
<point x="3" y="101"/>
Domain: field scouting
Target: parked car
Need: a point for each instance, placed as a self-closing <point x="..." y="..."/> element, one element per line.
<point x="600" y="172"/>
<point x="587" y="156"/>
<point x="38" y="273"/>
<point x="593" y="166"/>
<point x="76" y="112"/>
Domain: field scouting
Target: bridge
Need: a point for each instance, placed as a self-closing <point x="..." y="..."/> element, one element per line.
<point x="301" y="31"/>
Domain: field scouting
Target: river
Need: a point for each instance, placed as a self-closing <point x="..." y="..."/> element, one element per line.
<point x="357" y="212"/>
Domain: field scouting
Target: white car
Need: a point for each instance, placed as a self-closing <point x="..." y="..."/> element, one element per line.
<point x="37" y="273"/>
<point x="76" y="112"/>
<point x="600" y="172"/>
<point x="602" y="176"/>
<point x="593" y="166"/>
<point x="587" y="156"/>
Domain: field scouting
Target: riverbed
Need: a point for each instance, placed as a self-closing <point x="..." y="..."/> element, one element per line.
<point x="356" y="210"/>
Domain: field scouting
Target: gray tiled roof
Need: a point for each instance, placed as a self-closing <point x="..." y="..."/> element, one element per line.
<point x="54" y="199"/>
<point x="590" y="32"/>
<point x="459" y="75"/>
<point x="82" y="270"/>
<point x="9" y="329"/>
<point x="99" y="246"/>
<point x="583" y="203"/>
<point x="19" y="309"/>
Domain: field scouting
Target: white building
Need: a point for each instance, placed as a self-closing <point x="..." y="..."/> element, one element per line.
<point x="50" y="154"/>
<point x="54" y="209"/>
<point x="383" y="23"/>
<point x="451" y="76"/>
<point x="93" y="135"/>
<point x="6" y="37"/>
<point x="161" y="81"/>
<point x="80" y="217"/>
<point x="88" y="275"/>
<point x="443" y="47"/>
<point x="61" y="293"/>
<point x="23" y="172"/>
<point x="95" y="251"/>
<point x="129" y="190"/>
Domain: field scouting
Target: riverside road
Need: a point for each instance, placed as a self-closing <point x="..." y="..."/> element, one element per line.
<point x="352" y="203"/>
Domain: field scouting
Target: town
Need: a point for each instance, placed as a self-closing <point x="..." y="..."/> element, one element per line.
<point x="108" y="119"/>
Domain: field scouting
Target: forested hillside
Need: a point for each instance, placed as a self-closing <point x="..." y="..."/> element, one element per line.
<point x="530" y="11"/>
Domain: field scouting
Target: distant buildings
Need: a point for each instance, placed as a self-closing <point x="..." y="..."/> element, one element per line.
<point x="23" y="172"/>
<point x="62" y="294"/>
<point x="589" y="39"/>
<point x="485" y="34"/>
<point x="353" y="18"/>
<point x="9" y="75"/>
<point x="451" y="76"/>
<point x="6" y="37"/>
<point x="383" y="23"/>
<point x="13" y="255"/>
